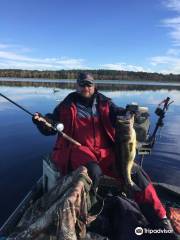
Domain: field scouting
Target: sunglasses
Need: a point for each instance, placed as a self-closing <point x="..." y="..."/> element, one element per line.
<point x="86" y="84"/>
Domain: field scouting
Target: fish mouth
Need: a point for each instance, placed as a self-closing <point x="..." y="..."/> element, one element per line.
<point x="124" y="118"/>
<point x="125" y="121"/>
<point x="125" y="128"/>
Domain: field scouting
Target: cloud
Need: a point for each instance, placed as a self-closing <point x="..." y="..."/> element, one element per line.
<point x="3" y="46"/>
<point x="46" y="65"/>
<point x="166" y="64"/>
<point x="163" y="60"/>
<point x="15" y="47"/>
<point x="174" y="25"/>
<point x="172" y="4"/>
<point x="123" y="66"/>
<point x="173" y="52"/>
<point x="12" y="59"/>
<point x="169" y="62"/>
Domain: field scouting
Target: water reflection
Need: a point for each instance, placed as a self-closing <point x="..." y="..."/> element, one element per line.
<point x="22" y="146"/>
<point x="101" y="84"/>
<point x="131" y="82"/>
<point x="122" y="97"/>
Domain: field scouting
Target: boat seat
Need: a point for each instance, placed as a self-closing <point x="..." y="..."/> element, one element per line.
<point x="50" y="174"/>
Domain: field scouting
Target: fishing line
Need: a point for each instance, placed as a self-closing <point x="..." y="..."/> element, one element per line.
<point x="57" y="127"/>
<point x="22" y="108"/>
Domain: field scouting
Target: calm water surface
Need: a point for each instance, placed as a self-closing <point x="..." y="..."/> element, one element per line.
<point x="116" y="82"/>
<point x="22" y="147"/>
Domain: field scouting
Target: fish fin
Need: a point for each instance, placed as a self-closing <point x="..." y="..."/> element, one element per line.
<point x="130" y="189"/>
<point x="135" y="187"/>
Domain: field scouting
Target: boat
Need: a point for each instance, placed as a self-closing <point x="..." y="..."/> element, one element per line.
<point x="168" y="194"/>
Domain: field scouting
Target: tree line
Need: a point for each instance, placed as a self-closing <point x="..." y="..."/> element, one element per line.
<point x="100" y="74"/>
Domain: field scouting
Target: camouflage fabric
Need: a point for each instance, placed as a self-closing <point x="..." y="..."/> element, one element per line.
<point x="61" y="213"/>
<point x="174" y="216"/>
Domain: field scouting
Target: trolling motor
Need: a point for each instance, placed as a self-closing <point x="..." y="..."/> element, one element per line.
<point x="160" y="112"/>
<point x="144" y="148"/>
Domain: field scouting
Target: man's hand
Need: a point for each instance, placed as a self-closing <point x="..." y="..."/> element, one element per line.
<point x="37" y="118"/>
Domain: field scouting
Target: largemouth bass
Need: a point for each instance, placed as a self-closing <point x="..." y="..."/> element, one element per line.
<point x="125" y="147"/>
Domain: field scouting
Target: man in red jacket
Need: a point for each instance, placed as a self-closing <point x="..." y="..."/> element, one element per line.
<point x="89" y="117"/>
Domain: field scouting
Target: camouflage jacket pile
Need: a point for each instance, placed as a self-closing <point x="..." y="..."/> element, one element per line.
<point x="62" y="213"/>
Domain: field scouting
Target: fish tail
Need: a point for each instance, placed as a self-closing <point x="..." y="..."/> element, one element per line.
<point x="129" y="180"/>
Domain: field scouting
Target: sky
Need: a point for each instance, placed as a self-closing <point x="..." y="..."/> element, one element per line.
<point x="132" y="35"/>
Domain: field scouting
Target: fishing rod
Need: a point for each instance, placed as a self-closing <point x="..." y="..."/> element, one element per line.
<point x="57" y="127"/>
<point x="17" y="105"/>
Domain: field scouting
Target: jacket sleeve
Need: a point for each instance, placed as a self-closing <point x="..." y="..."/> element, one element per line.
<point x="115" y="111"/>
<point x="51" y="118"/>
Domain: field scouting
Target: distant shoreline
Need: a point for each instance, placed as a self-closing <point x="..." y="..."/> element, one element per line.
<point x="67" y="80"/>
<point x="98" y="75"/>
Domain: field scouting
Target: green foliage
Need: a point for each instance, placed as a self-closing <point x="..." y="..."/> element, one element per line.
<point x="98" y="74"/>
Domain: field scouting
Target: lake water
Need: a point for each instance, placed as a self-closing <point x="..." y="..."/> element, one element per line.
<point x="22" y="147"/>
<point x="134" y="82"/>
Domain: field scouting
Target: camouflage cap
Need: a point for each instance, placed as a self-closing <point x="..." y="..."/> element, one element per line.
<point x="84" y="78"/>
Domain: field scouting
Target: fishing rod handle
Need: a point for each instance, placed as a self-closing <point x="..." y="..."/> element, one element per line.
<point x="41" y="119"/>
<point x="64" y="135"/>
<point x="59" y="127"/>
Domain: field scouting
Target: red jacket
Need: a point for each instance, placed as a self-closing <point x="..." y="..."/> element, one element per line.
<point x="67" y="111"/>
